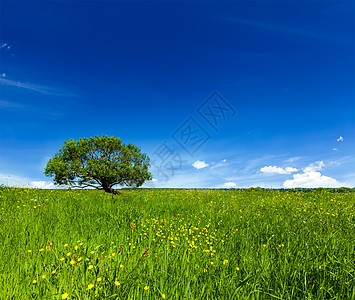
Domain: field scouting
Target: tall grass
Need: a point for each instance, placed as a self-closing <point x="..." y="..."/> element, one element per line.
<point x="175" y="244"/>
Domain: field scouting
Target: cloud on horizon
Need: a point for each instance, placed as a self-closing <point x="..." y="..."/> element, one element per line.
<point x="43" y="185"/>
<point x="229" y="184"/>
<point x="23" y="182"/>
<point x="311" y="179"/>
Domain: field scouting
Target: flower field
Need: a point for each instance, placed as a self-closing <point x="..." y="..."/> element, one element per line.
<point x="177" y="244"/>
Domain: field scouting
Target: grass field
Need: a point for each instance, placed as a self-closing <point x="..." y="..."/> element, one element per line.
<point x="176" y="244"/>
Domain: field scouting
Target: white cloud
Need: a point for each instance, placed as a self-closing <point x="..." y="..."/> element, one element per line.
<point x="154" y="180"/>
<point x="290" y="170"/>
<point x="278" y="170"/>
<point x="340" y="139"/>
<point x="3" y="75"/>
<point x="229" y="184"/>
<point x="335" y="149"/>
<point x="5" y="46"/>
<point x="43" y="185"/>
<point x="200" y="164"/>
<point x="311" y="179"/>
<point x="314" y="167"/>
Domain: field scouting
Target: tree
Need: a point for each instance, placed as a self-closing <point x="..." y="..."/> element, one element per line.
<point x="100" y="162"/>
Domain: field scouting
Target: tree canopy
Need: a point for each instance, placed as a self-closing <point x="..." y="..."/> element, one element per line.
<point x="100" y="162"/>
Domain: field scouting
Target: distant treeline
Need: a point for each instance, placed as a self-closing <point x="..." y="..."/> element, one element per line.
<point x="330" y="190"/>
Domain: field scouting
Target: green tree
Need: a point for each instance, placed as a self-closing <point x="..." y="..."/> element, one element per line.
<point x="100" y="162"/>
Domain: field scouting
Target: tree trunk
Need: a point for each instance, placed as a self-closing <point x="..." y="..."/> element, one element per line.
<point x="112" y="191"/>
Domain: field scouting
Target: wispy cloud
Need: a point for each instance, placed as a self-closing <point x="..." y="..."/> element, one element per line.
<point x="317" y="166"/>
<point x="39" y="111"/>
<point x="293" y="159"/>
<point x="35" y="87"/>
<point x="284" y="29"/>
<point x="9" y="104"/>
<point x="222" y="163"/>
<point x="340" y="139"/>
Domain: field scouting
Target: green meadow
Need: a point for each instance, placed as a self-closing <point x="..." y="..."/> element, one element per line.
<point x="177" y="244"/>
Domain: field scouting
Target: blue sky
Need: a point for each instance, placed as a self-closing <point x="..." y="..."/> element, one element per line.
<point x="218" y="94"/>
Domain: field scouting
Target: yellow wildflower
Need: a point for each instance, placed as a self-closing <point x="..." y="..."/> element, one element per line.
<point x="65" y="296"/>
<point x="146" y="288"/>
<point x="90" y="286"/>
<point x="90" y="267"/>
